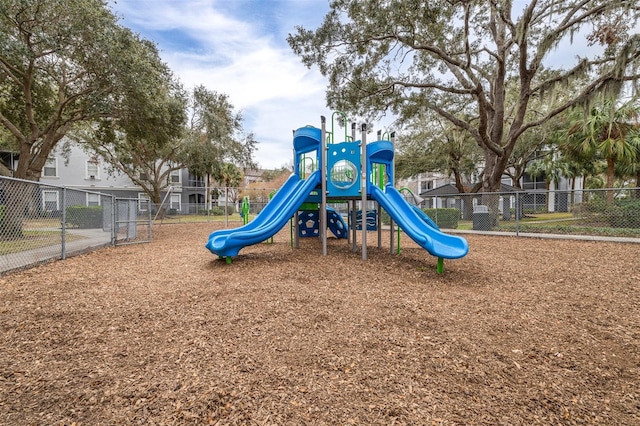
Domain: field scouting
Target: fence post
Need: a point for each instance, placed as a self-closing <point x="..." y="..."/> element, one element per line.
<point x="113" y="220"/>
<point x="517" y="213"/>
<point x="149" y="234"/>
<point x="63" y="227"/>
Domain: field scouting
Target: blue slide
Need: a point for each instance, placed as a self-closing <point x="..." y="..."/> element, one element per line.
<point x="425" y="217"/>
<point x="423" y="233"/>
<point x="228" y="242"/>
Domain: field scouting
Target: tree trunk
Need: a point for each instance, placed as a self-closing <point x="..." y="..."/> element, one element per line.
<point x="158" y="201"/>
<point x="610" y="179"/>
<point x="458" y="180"/>
<point x="516" y="182"/>
<point x="491" y="184"/>
<point x="547" y="184"/>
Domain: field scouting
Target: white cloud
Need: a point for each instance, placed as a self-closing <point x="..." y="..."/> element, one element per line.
<point x="263" y="78"/>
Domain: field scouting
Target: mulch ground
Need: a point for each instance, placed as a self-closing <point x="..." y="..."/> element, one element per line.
<point x="519" y="332"/>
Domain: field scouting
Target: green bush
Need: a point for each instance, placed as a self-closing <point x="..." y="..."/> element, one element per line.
<point x="384" y="217"/>
<point x="84" y="217"/>
<point x="444" y="218"/>
<point x="624" y="214"/>
<point x="216" y="211"/>
<point x="533" y="227"/>
<point x="219" y="211"/>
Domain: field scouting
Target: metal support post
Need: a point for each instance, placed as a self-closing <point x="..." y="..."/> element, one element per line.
<point x="354" y="231"/>
<point x="323" y="178"/>
<point x="63" y="225"/>
<point x="363" y="187"/>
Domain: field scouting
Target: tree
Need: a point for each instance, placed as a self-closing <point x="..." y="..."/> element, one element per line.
<point x="214" y="136"/>
<point x="431" y="145"/>
<point x="461" y="58"/>
<point x="608" y="132"/>
<point x="550" y="168"/>
<point x="277" y="174"/>
<point x="145" y="141"/>
<point x="61" y="64"/>
<point x="533" y="145"/>
<point x="631" y="168"/>
<point x="230" y="177"/>
<point x="260" y="191"/>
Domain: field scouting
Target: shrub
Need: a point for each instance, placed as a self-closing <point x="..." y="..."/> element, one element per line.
<point x="384" y="217"/>
<point x="624" y="214"/>
<point x="444" y="218"/>
<point x="217" y="211"/>
<point x="84" y="217"/>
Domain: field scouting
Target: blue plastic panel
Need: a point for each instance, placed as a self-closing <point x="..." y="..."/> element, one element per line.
<point x="343" y="169"/>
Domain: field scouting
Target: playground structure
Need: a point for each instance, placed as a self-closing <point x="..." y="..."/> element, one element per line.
<point x="350" y="171"/>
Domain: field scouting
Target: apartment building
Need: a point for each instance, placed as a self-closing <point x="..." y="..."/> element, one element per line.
<point x="70" y="166"/>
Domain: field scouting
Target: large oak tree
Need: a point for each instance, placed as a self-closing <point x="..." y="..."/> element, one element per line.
<point x="461" y="59"/>
<point x="63" y="65"/>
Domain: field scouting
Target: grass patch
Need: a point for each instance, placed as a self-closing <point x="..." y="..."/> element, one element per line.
<point x="571" y="229"/>
<point x="536" y="217"/>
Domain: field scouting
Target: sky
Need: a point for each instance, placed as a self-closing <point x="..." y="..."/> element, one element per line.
<point x="239" y="47"/>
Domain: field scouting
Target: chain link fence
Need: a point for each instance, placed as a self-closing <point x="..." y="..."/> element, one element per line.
<point x="132" y="220"/>
<point x="41" y="222"/>
<point x="595" y="212"/>
<point x="173" y="209"/>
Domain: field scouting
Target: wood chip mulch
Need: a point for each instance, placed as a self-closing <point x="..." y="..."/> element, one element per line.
<point x="519" y="332"/>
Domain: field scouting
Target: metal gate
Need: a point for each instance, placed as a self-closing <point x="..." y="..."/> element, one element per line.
<point x="132" y="219"/>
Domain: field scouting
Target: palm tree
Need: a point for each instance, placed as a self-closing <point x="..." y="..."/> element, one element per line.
<point x="609" y="133"/>
<point x="228" y="175"/>
<point x="551" y="168"/>
<point x="631" y="167"/>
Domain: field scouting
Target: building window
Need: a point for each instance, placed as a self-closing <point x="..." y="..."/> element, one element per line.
<point x="175" y="201"/>
<point x="50" y="167"/>
<point x="93" y="199"/>
<point x="50" y="201"/>
<point x="144" y="176"/>
<point x="196" y="181"/>
<point x="143" y="202"/>
<point x="174" y="176"/>
<point x="92" y="170"/>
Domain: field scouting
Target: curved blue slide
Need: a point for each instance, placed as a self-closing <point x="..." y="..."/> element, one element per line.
<point x="228" y="242"/>
<point x="425" y="217"/>
<point x="423" y="233"/>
